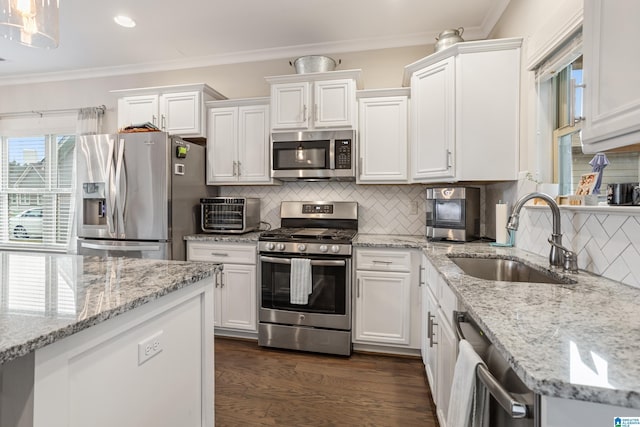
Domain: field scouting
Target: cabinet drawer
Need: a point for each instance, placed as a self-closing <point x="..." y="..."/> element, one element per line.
<point x="223" y="253"/>
<point x="383" y="260"/>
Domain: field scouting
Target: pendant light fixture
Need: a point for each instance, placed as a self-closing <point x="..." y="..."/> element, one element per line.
<point x="30" y="22"/>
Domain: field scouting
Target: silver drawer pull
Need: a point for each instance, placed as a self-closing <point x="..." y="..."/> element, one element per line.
<point x="218" y="254"/>
<point x="375" y="261"/>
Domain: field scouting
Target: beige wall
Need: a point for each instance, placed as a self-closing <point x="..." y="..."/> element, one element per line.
<point x="537" y="22"/>
<point x="380" y="69"/>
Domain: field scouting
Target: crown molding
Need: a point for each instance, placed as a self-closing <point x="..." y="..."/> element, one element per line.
<point x="284" y="53"/>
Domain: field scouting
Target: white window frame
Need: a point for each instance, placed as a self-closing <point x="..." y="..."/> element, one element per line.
<point x="51" y="127"/>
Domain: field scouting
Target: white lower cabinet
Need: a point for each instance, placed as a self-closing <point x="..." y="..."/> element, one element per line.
<point x="387" y="299"/>
<point x="439" y="342"/>
<point x="235" y="286"/>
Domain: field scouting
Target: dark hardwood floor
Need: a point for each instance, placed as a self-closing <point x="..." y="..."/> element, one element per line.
<point x="269" y="387"/>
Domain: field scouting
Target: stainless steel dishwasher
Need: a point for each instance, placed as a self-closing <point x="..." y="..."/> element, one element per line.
<point x="512" y="403"/>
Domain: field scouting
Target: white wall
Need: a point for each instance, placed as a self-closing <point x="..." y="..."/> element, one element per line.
<point x="380" y="69"/>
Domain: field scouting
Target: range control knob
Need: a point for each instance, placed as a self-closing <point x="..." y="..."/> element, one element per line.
<point x="280" y="246"/>
<point x="302" y="247"/>
<point x="323" y="248"/>
<point x="335" y="249"/>
<point x="270" y="246"/>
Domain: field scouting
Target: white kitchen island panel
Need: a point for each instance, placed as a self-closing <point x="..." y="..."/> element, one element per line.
<point x="129" y="348"/>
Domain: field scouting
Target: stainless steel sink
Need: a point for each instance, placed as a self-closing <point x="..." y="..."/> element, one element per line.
<point x="507" y="270"/>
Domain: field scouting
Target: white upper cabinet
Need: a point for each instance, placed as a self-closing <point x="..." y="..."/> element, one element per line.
<point x="178" y="110"/>
<point x="314" y="101"/>
<point x="464" y="111"/>
<point x="433" y="121"/>
<point x="612" y="82"/>
<point x="383" y="136"/>
<point x="238" y="142"/>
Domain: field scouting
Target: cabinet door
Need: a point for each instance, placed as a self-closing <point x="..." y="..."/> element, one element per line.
<point x="238" y="295"/>
<point x="433" y="122"/>
<point x="253" y="144"/>
<point x="222" y="145"/>
<point x="611" y="62"/>
<point x="290" y="105"/>
<point x="429" y="341"/>
<point x="334" y="101"/>
<point x="447" y="353"/>
<point x="138" y="109"/>
<point x="487" y="130"/>
<point x="383" y="139"/>
<point x="383" y="302"/>
<point x="180" y="113"/>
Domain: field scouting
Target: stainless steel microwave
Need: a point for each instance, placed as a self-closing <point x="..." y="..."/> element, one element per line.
<point x="314" y="156"/>
<point x="453" y="213"/>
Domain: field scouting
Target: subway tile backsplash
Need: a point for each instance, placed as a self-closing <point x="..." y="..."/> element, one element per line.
<point x="383" y="209"/>
<point x="607" y="244"/>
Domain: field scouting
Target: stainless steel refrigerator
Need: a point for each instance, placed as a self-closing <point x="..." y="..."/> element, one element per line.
<point x="139" y="194"/>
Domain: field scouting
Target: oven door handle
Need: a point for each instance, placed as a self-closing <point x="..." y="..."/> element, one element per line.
<point x="319" y="263"/>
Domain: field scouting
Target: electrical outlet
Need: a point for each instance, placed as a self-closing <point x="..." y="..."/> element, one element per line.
<point x="413" y="207"/>
<point x="149" y="347"/>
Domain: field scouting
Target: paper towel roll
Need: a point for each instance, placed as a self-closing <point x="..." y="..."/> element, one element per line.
<point x="501" y="223"/>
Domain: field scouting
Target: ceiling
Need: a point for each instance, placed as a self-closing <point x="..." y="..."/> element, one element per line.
<point x="192" y="33"/>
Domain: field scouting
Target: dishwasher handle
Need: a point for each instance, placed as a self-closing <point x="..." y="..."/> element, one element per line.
<point x="514" y="407"/>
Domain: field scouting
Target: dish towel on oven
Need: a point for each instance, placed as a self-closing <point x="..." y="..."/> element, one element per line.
<point x="468" y="401"/>
<point x="300" y="281"/>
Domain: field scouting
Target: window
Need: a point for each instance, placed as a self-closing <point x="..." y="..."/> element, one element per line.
<point x="559" y="79"/>
<point x="36" y="190"/>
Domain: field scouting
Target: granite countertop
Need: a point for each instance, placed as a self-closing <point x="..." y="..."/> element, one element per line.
<point x="249" y="237"/>
<point x="575" y="341"/>
<point x="46" y="297"/>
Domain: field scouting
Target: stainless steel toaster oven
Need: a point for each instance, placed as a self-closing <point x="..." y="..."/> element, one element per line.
<point x="229" y="214"/>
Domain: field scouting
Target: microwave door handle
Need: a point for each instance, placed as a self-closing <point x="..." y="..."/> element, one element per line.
<point x="319" y="263"/>
<point x="332" y="154"/>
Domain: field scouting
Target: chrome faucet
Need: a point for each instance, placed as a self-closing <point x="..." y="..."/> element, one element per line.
<point x="559" y="256"/>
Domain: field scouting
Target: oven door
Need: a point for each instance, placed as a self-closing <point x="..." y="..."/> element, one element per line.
<point x="329" y="304"/>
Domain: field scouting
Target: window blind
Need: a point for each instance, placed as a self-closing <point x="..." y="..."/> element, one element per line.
<point x="36" y="191"/>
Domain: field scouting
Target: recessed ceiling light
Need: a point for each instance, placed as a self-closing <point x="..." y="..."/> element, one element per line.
<point x="124" y="21"/>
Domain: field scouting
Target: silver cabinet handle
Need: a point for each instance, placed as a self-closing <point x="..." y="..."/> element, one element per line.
<point x="430" y="325"/>
<point x="375" y="261"/>
<point x="449" y="165"/>
<point x="215" y="279"/>
<point x="235" y="168"/>
<point x="222" y="279"/>
<point x="154" y="119"/>
<point x="163" y="123"/>
<point x="239" y="168"/>
<point x="304" y="113"/>
<point x="358" y="288"/>
<point x="219" y="254"/>
<point x="420" y="282"/>
<point x="315" y="112"/>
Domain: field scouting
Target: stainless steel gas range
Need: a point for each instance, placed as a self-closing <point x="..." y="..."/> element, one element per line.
<point x="305" y="278"/>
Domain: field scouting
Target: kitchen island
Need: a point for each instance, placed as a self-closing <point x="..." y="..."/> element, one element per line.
<point x="575" y="345"/>
<point x="105" y="341"/>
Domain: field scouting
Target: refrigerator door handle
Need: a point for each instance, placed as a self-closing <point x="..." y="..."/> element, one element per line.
<point x="102" y="247"/>
<point x="119" y="198"/>
<point x="110" y="188"/>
